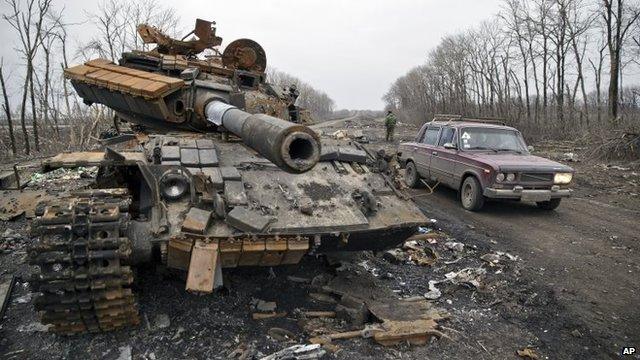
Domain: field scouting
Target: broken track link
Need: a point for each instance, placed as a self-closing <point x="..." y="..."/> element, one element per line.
<point x="83" y="283"/>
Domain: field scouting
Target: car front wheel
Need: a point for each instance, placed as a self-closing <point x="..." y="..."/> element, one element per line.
<point x="471" y="194"/>
<point x="549" y="205"/>
<point x="411" y="176"/>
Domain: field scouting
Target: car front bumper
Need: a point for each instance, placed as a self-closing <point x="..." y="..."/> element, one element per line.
<point x="528" y="195"/>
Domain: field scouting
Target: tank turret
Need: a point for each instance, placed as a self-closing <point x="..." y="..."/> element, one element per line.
<point x="170" y="89"/>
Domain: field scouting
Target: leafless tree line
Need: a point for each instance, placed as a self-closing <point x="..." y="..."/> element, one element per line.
<point x="316" y="101"/>
<point x="542" y="64"/>
<point x="49" y="115"/>
<point x="116" y="23"/>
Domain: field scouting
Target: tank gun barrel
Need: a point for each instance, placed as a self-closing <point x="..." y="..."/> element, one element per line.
<point x="293" y="147"/>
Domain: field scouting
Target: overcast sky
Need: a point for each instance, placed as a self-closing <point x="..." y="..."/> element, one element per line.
<point x="353" y="50"/>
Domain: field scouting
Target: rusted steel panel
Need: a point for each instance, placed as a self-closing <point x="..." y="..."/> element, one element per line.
<point x="88" y="158"/>
<point x="296" y="248"/>
<point x="230" y="251"/>
<point x="234" y="192"/>
<point x="196" y="221"/>
<point x="204" y="261"/>
<point x="6" y="285"/>
<point x="252" y="251"/>
<point x="103" y="73"/>
<point x="276" y="248"/>
<point x="247" y="220"/>
<point x="179" y="253"/>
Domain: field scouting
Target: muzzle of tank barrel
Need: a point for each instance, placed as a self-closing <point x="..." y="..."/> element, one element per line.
<point x="293" y="147"/>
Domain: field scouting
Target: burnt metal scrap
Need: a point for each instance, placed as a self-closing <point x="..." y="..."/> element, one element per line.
<point x="205" y="39"/>
<point x="214" y="174"/>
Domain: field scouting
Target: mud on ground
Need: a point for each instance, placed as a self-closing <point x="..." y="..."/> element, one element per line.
<point x="563" y="284"/>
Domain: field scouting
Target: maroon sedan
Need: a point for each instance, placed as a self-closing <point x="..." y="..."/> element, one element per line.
<point x="483" y="160"/>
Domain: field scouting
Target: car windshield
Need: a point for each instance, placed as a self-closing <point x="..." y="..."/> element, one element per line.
<point x="497" y="140"/>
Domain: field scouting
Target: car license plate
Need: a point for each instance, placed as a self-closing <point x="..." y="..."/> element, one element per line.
<point x="536" y="197"/>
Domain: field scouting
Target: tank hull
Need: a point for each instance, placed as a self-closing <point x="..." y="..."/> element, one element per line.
<point x="240" y="201"/>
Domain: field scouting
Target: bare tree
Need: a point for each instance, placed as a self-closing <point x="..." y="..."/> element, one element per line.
<point x="540" y="46"/>
<point x="117" y="22"/>
<point x="636" y="43"/>
<point x="49" y="38"/>
<point x="541" y="20"/>
<point x="44" y="85"/>
<point x="515" y="19"/>
<point x="28" y="23"/>
<point x="597" y="71"/>
<point x="62" y="36"/>
<point x="618" y="18"/>
<point x="111" y="24"/>
<point x="566" y="30"/>
<point x="7" y="110"/>
<point x="579" y="26"/>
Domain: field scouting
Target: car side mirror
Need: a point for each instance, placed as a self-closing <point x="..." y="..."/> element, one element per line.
<point x="530" y="148"/>
<point x="450" y="146"/>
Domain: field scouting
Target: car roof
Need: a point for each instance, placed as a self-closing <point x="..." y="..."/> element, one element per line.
<point x="470" y="123"/>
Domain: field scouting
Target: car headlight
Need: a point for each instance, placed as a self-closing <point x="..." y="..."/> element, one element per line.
<point x="500" y="177"/>
<point x="562" y="178"/>
<point x="511" y="177"/>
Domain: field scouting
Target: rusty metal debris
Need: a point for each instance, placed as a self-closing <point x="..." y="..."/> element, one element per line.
<point x="14" y="203"/>
<point x="269" y="315"/>
<point x="298" y="352"/>
<point x="415" y="332"/>
<point x="264" y="306"/>
<point x="327" y="314"/>
<point x="265" y="310"/>
<point x="6" y="285"/>
<point x="205" y="39"/>
<point x="373" y="312"/>
<point x="402" y="322"/>
<point x="281" y="334"/>
<point x="368" y="332"/>
<point x="323" y="298"/>
<point x="528" y="353"/>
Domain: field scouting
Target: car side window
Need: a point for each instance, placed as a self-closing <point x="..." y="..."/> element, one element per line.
<point x="431" y="135"/>
<point x="420" y="135"/>
<point x="446" y="136"/>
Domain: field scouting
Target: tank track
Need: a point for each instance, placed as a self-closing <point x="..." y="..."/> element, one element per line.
<point x="83" y="282"/>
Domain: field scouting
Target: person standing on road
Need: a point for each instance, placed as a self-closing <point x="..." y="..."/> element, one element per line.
<point x="390" y="123"/>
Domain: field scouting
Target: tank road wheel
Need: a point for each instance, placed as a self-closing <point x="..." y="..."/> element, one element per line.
<point x="83" y="284"/>
<point x="549" y="205"/>
<point x="471" y="194"/>
<point x="411" y="176"/>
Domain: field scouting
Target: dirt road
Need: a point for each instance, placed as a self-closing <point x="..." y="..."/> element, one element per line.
<point x="585" y="254"/>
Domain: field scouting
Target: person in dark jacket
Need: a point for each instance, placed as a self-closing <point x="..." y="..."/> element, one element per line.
<point x="390" y="123"/>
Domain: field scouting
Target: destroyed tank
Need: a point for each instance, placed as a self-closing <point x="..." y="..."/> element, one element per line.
<point x="221" y="176"/>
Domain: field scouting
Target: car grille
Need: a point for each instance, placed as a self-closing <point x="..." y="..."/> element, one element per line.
<point x="536" y="177"/>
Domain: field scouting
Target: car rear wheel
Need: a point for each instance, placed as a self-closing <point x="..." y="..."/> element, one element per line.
<point x="471" y="194"/>
<point x="549" y="205"/>
<point x="411" y="176"/>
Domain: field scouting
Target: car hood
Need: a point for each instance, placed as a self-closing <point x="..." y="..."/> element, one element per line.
<point x="514" y="161"/>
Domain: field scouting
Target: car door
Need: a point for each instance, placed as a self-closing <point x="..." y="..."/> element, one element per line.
<point x="414" y="149"/>
<point x="426" y="146"/>
<point x="443" y="160"/>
